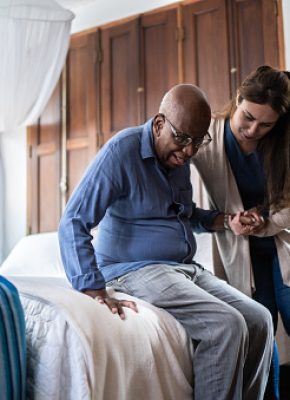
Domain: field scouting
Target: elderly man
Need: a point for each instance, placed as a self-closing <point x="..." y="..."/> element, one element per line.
<point x="138" y="192"/>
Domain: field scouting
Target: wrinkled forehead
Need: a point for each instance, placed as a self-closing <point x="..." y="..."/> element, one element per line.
<point x="193" y="122"/>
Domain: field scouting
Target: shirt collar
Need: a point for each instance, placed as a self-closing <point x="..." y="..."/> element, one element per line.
<point x="147" y="149"/>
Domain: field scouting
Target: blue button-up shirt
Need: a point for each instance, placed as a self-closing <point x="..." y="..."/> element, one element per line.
<point x="145" y="214"/>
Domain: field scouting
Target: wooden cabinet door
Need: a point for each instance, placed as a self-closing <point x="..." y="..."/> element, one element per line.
<point x="82" y="117"/>
<point x="253" y="36"/>
<point x="64" y="141"/>
<point x="159" y="59"/>
<point x="120" y="78"/>
<point x="206" y="49"/>
<point x="43" y="168"/>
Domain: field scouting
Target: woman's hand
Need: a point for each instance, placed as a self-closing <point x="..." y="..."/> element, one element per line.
<point x="258" y="221"/>
<point x="115" y="305"/>
<point x="240" y="225"/>
<point x="246" y="223"/>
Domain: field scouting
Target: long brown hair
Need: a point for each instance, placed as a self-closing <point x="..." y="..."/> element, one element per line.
<point x="267" y="85"/>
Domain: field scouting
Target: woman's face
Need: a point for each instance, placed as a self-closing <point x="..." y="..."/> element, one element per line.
<point x="251" y="122"/>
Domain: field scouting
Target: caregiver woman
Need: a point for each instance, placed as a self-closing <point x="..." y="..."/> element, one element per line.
<point x="247" y="167"/>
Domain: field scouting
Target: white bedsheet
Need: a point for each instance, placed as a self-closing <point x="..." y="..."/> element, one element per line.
<point x="77" y="349"/>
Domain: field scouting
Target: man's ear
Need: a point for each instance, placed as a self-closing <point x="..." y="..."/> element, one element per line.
<point x="158" y="123"/>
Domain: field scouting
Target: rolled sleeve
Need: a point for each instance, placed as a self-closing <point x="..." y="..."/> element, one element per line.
<point x="94" y="280"/>
<point x="202" y="220"/>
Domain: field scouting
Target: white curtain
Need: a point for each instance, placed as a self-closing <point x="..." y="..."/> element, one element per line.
<point x="34" y="39"/>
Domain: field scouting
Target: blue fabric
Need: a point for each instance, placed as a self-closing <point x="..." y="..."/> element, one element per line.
<point x="247" y="169"/>
<point x="12" y="343"/>
<point x="275" y="295"/>
<point x="271" y="291"/>
<point x="134" y="202"/>
<point x="249" y="175"/>
<point x="273" y="386"/>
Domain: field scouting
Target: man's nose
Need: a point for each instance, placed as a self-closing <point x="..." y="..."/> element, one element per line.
<point x="189" y="150"/>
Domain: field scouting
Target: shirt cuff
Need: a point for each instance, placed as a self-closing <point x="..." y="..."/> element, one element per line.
<point x="92" y="280"/>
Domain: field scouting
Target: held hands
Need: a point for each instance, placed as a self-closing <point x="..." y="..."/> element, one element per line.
<point x="115" y="305"/>
<point x="246" y="223"/>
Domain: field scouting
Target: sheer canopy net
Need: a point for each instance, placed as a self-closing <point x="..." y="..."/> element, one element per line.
<point x="34" y="39"/>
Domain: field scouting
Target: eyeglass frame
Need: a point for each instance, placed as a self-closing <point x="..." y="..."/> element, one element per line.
<point x="186" y="139"/>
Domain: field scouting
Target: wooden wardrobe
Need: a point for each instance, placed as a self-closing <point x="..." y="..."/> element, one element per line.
<point x="115" y="76"/>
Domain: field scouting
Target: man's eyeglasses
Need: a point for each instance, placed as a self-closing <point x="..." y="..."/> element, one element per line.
<point x="183" y="139"/>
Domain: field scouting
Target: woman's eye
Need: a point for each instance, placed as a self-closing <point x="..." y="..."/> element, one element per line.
<point x="266" y="125"/>
<point x="249" y="118"/>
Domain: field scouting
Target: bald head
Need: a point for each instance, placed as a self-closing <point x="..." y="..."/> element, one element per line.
<point x="186" y="105"/>
<point x="181" y="125"/>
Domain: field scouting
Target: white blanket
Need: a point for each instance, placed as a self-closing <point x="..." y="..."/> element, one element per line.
<point x="77" y="349"/>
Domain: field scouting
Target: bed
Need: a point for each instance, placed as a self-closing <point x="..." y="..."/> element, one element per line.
<point x="77" y="349"/>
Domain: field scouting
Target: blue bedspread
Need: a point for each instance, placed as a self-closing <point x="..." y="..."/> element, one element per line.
<point x="12" y="343"/>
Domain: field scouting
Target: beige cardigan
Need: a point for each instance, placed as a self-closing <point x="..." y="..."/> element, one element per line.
<point x="231" y="253"/>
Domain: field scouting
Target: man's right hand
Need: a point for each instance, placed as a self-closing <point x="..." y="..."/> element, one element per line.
<point x="115" y="305"/>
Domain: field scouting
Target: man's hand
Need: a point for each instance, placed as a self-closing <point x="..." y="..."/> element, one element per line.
<point x="115" y="305"/>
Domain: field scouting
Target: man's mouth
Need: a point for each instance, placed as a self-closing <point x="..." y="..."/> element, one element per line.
<point x="180" y="160"/>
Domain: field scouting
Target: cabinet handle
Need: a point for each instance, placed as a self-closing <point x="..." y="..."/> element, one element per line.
<point x="233" y="70"/>
<point x="63" y="186"/>
<point x="140" y="89"/>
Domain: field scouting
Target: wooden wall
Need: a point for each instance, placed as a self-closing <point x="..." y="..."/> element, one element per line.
<point x="115" y="76"/>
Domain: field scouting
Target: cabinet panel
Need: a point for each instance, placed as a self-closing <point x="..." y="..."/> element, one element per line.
<point x="254" y="36"/>
<point x="119" y="75"/>
<point x="206" y="49"/>
<point x="82" y="117"/>
<point x="44" y="168"/>
<point x="48" y="192"/>
<point x="78" y="159"/>
<point x="159" y="59"/>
